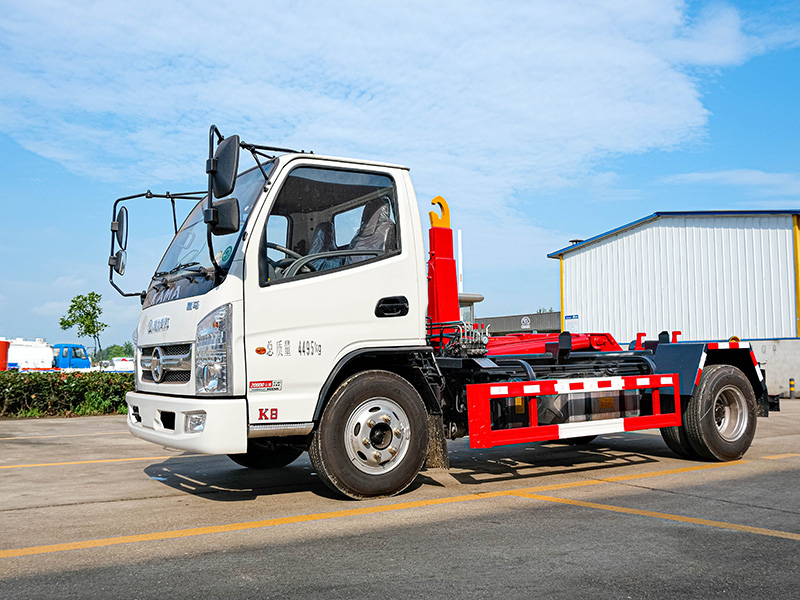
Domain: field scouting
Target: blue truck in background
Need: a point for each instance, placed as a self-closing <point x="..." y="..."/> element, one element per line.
<point x="70" y="356"/>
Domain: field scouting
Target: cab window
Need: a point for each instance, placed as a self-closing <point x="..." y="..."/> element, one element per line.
<point x="328" y="220"/>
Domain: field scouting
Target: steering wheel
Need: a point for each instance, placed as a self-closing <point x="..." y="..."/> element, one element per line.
<point x="283" y="264"/>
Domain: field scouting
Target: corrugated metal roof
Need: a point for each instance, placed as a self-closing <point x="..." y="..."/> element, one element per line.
<point x="660" y="214"/>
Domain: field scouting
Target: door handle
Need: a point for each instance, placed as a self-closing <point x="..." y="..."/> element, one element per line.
<point x="393" y="306"/>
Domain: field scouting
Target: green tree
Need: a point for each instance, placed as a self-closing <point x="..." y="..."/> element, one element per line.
<point x="125" y="349"/>
<point x="84" y="312"/>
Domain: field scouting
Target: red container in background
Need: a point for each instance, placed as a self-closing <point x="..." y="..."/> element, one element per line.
<point x="4" y="355"/>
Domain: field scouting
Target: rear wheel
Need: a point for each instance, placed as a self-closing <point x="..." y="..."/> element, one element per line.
<point x="266" y="454"/>
<point x="677" y="441"/>
<point x="720" y="419"/>
<point x="373" y="436"/>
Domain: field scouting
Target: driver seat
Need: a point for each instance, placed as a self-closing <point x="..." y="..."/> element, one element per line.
<point x="324" y="241"/>
<point x="377" y="231"/>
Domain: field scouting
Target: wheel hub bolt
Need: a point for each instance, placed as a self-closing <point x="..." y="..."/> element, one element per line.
<point x="377" y="456"/>
<point x="392" y="450"/>
<point x="365" y="441"/>
<point x="397" y="432"/>
<point x="386" y="418"/>
<point x="370" y="423"/>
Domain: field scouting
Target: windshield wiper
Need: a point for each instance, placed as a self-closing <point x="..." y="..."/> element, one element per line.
<point x="185" y="269"/>
<point x="174" y="270"/>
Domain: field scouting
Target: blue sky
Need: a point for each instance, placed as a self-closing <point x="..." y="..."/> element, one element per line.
<point x="539" y="122"/>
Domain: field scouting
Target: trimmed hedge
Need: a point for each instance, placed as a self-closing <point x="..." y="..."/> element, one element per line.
<point x="45" y="394"/>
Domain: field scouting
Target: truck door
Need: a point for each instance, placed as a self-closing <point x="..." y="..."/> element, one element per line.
<point x="331" y="268"/>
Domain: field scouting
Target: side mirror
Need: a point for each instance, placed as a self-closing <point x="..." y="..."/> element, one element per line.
<point x="120" y="228"/>
<point x="224" y="217"/>
<point x="224" y="167"/>
<point x="118" y="261"/>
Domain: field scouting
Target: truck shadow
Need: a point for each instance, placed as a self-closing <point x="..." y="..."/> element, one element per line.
<point x="217" y="478"/>
<point x="220" y="479"/>
<point x="536" y="461"/>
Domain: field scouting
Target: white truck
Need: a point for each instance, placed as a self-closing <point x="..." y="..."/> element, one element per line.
<point x="29" y="355"/>
<point x="292" y="312"/>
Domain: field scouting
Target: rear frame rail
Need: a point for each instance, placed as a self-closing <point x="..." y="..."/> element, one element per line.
<point x="479" y="396"/>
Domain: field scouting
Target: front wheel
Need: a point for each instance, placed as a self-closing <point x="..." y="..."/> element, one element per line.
<point x="720" y="419"/>
<point x="373" y="436"/>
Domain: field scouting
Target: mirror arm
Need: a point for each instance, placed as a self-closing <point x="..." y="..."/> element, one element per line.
<point x="141" y="294"/>
<point x="174" y="215"/>
<point x="195" y="196"/>
<point x="256" y="154"/>
<point x="210" y="214"/>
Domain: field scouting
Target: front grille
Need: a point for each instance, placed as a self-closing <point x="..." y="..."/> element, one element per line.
<point x="169" y="350"/>
<point x="176" y="361"/>
<point x="169" y="376"/>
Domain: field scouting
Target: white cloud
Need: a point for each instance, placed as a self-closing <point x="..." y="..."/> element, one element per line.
<point x="758" y="182"/>
<point x="105" y="91"/>
<point x="51" y="309"/>
<point x="70" y="282"/>
<point x="715" y="39"/>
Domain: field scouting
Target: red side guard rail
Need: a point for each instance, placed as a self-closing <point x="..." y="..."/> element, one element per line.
<point x="479" y="396"/>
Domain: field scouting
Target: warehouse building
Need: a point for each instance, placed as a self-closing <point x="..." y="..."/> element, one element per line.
<point x="709" y="275"/>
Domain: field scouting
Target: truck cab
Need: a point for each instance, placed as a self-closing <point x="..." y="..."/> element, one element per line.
<point x="70" y="356"/>
<point x="326" y="268"/>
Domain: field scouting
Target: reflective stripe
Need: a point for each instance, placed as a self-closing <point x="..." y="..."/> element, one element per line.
<point x="571" y="430"/>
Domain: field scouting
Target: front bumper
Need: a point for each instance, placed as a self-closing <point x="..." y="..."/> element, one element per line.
<point x="160" y="419"/>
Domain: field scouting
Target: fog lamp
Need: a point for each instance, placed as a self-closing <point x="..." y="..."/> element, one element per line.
<point x="195" y="421"/>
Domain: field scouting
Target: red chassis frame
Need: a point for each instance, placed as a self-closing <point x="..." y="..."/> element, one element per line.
<point x="481" y="434"/>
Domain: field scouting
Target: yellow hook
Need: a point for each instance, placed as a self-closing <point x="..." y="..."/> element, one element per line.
<point x="436" y="220"/>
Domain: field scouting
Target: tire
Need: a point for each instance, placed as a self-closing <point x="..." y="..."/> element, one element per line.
<point x="372" y="438"/>
<point x="677" y="441"/>
<point x="720" y="419"/>
<point x="266" y="454"/>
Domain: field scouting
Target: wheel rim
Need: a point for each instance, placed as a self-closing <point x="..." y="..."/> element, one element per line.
<point x="730" y="413"/>
<point x="377" y="436"/>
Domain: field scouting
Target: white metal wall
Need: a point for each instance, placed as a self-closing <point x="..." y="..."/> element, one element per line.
<point x="709" y="277"/>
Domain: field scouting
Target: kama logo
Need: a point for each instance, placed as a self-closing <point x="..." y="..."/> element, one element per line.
<point x="266" y="386"/>
<point x="167" y="295"/>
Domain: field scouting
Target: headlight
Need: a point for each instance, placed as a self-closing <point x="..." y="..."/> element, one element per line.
<point x="212" y="352"/>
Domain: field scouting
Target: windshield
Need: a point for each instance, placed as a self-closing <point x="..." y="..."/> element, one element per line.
<point x="186" y="268"/>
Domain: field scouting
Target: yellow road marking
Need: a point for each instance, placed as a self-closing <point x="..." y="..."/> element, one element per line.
<point x="777" y="456"/>
<point x="90" y="462"/>
<point x="182" y="533"/>
<point x="658" y="515"/>
<point x="675" y="471"/>
<point x="39" y="437"/>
